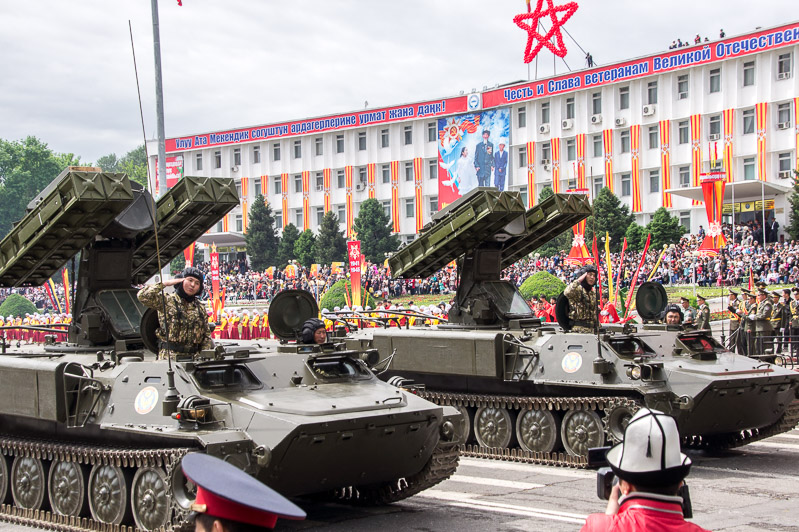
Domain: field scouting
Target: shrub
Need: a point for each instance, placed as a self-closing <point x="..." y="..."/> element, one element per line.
<point x="334" y="297"/>
<point x="541" y="284"/>
<point x="17" y="305"/>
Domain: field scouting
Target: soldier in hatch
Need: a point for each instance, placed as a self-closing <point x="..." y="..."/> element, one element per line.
<point x="582" y="301"/>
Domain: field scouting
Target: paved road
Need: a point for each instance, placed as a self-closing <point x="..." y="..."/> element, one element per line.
<point x="752" y="488"/>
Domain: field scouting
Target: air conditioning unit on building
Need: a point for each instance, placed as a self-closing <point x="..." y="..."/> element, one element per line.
<point x="596" y="119"/>
<point x="543" y="129"/>
<point x="783" y="75"/>
<point x="360" y="187"/>
<point x="545" y="162"/>
<point x="567" y="123"/>
<point x="547" y="167"/>
<point x="649" y="110"/>
<point x="785" y="174"/>
<point x="234" y="168"/>
<point x="620" y="121"/>
<point x="713" y="136"/>
<point x="319" y="188"/>
<point x="783" y="125"/>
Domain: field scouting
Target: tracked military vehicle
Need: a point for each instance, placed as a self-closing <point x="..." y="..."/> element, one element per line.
<point x="92" y="431"/>
<point x="532" y="390"/>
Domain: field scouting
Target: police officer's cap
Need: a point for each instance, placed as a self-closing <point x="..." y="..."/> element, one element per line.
<point x="776" y="294"/>
<point x="700" y="297"/>
<point x="227" y="492"/>
<point x="194" y="272"/>
<point x="761" y="285"/>
<point x="762" y="292"/>
<point x="745" y="291"/>
<point x="309" y="328"/>
<point x="685" y="299"/>
<point x="795" y="289"/>
<point x="733" y="292"/>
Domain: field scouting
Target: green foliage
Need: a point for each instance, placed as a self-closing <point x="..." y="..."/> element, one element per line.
<point x="285" y="248"/>
<point x="374" y="231"/>
<point x="334" y="297"/>
<point x="17" y="305"/>
<point x="331" y="245"/>
<point x="178" y="264"/>
<point x="261" y="237"/>
<point x="133" y="163"/>
<point x="636" y="237"/>
<point x="541" y="284"/>
<point x="562" y="242"/>
<point x="612" y="216"/>
<point x="793" y="219"/>
<point x="305" y="248"/>
<point x="664" y="228"/>
<point x="26" y="167"/>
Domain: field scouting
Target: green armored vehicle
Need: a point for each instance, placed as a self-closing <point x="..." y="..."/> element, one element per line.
<point x="529" y="390"/>
<point x="92" y="431"/>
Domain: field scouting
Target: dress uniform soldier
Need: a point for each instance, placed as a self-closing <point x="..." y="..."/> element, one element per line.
<point x="735" y="320"/>
<point x="583" y="308"/>
<point x="703" y="318"/>
<point x="230" y="500"/>
<point x="747" y="338"/>
<point x="795" y="321"/>
<point x="760" y="317"/>
<point x="785" y="324"/>
<point x="778" y="311"/>
<point x="689" y="316"/>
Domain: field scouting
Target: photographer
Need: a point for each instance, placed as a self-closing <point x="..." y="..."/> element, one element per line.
<point x="650" y="469"/>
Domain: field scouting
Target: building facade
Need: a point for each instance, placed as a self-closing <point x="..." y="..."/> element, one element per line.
<point x="648" y="129"/>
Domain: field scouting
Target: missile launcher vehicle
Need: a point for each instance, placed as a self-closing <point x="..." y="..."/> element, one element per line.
<point x="536" y="392"/>
<point x="92" y="430"/>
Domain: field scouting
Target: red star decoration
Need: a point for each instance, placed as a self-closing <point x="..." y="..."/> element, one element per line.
<point x="551" y="11"/>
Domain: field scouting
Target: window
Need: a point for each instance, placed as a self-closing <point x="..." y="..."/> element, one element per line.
<point x="624" y="137"/>
<point x="256" y="154"/>
<point x="198" y="161"/>
<point x="597" y="139"/>
<point x="432" y="132"/>
<point x="279" y="219"/>
<point x="298" y="183"/>
<point x="409" y="208"/>
<point x="652" y="92"/>
<point x="217" y="159"/>
<point x="685" y="176"/>
<point x="341" y="179"/>
<point x="277" y="185"/>
<point x="685" y="220"/>
<point x="571" y="184"/>
<point x="409" y="171"/>
<point x="276" y="151"/>
<point x="236" y="156"/>
<point x="339" y="143"/>
<point x="384" y="138"/>
<point x="654" y="137"/>
<point x="386" y="207"/>
<point x="362" y="141"/>
<point x="385" y="170"/>
<point x="683" y="129"/>
<point x="784" y="115"/>
<point x="522" y="156"/>
<point x="715" y="126"/>
<point x="545" y="113"/>
<point x="682" y="87"/>
<point x="433" y="169"/>
<point x="749" y="121"/>
<point x="749" y="169"/>
<point x="341" y="213"/>
<point x="626" y="185"/>
<point x="784" y="162"/>
<point x="571" y="151"/>
<point x="749" y="73"/>
<point x="596" y="103"/>
<point x="298" y="219"/>
<point x="362" y="176"/>
<point x="546" y="151"/>
<point x="320" y="180"/>
<point x="784" y="66"/>
<point x="598" y="185"/>
<point x="320" y="214"/>
<point x="319" y="145"/>
<point x="521" y="117"/>
<point x="408" y="133"/>
<point x="624" y="97"/>
<point x="433" y="204"/>
<point x="218" y="227"/>
<point x="569" y="107"/>
<point x="654" y="181"/>
<point x="715" y="80"/>
<point x="523" y="192"/>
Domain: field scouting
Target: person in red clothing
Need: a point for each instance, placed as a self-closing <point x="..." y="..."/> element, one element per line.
<point x="651" y="469"/>
<point x="608" y="313"/>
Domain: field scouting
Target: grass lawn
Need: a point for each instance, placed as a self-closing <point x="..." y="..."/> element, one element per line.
<point x="676" y="292"/>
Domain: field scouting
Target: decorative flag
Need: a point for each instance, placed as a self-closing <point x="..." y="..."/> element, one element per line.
<point x="657" y="264"/>
<point x="244" y="216"/>
<point x="188" y="254"/>
<point x="665" y="163"/>
<point x="635" y="276"/>
<point x="620" y="273"/>
<point x="54" y="295"/>
<point x="635" y="149"/>
<point x="284" y="190"/>
<point x="67" y="298"/>
<point x="751" y="279"/>
<point x="354" y="255"/>
<point x="314" y="270"/>
<point x="713" y="192"/>
<point x="306" y="200"/>
<point x="290" y="271"/>
<point x="581" y="161"/>
<point x="729" y="116"/>
<point x="578" y="253"/>
<point x="610" y="265"/>
<point x="370" y="179"/>
<point x="214" y="275"/>
<point x="264" y="186"/>
<point x="395" y="195"/>
<point x="244" y="188"/>
<point x="335" y="267"/>
<point x="417" y="187"/>
<point x="555" y="143"/>
<point x="598" y="270"/>
<point x="348" y="201"/>
<point x="326" y="188"/>
<point x="607" y="141"/>
<point x="696" y="152"/>
<point x="761" y="112"/>
<point x="530" y="174"/>
<point x="226" y="223"/>
<point x="270" y="272"/>
<point x="796" y="127"/>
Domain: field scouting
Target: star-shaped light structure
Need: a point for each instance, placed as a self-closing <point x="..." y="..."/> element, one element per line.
<point x="529" y="23"/>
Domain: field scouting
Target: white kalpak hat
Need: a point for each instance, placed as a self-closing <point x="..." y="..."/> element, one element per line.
<point x="650" y="453"/>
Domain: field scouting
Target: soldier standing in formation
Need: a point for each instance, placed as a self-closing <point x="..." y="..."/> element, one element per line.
<point x="794" y="320"/>
<point x="760" y="317"/>
<point x="778" y="312"/>
<point x="689" y="316"/>
<point x="747" y="339"/>
<point x="735" y="320"/>
<point x="703" y="319"/>
<point x="582" y="301"/>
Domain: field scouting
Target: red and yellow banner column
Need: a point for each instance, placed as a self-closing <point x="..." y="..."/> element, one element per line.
<point x="580" y="160"/>
<point x="696" y="152"/>
<point x="417" y="187"/>
<point x="264" y="185"/>
<point x="556" y="165"/>
<point x="530" y="174"/>
<point x="326" y="188"/>
<point x="370" y="179"/>
<point x="607" y="142"/>
<point x="395" y="219"/>
<point x="635" y="149"/>
<point x="761" y="111"/>
<point x="284" y="190"/>
<point x="665" y="162"/>
<point x="306" y="200"/>
<point x="244" y="215"/>
<point x="796" y="127"/>
<point x="348" y="192"/>
<point x="244" y="193"/>
<point x="729" y="120"/>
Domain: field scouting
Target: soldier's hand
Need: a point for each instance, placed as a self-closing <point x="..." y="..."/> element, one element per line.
<point x="582" y="277"/>
<point x="172" y="282"/>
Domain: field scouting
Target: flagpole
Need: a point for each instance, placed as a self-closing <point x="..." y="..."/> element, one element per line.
<point x="159" y="101"/>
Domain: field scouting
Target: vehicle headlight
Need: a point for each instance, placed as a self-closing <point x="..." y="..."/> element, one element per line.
<point x="634" y="372"/>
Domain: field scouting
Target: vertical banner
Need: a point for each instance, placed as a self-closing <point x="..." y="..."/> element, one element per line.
<point x="531" y="175"/>
<point x="326" y="188"/>
<point x="580" y="160"/>
<point x="607" y="143"/>
<point x="50" y="294"/>
<point x="729" y="119"/>
<point x="555" y="144"/>
<point x="665" y="164"/>
<point x="610" y="266"/>
<point x="696" y="152"/>
<point x="635" y="149"/>
<point x="226" y="223"/>
<point x="713" y="193"/>
<point x="244" y="187"/>
<point x="214" y="277"/>
<point x="761" y="110"/>
<point x="188" y="254"/>
<point x="264" y="186"/>
<point x="284" y="190"/>
<point x="796" y="127"/>
<point x="395" y="219"/>
<point x="354" y="254"/>
<point x="348" y="192"/>
<point x="417" y="187"/>
<point x="306" y="200"/>
<point x="174" y="170"/>
<point x="244" y="216"/>
<point x="67" y="298"/>
<point x="370" y="179"/>
<point x="578" y="253"/>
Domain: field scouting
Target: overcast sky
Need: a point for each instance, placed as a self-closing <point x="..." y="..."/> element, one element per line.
<point x="67" y="77"/>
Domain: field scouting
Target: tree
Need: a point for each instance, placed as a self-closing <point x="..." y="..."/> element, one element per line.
<point x="612" y="216"/>
<point x="133" y="163"/>
<point x="17" y="305"/>
<point x="285" y="248"/>
<point x="636" y="237"/>
<point x="541" y="284"/>
<point x="374" y="231"/>
<point x="331" y="246"/>
<point x="261" y="237"/>
<point x="793" y="220"/>
<point x="334" y="297"/>
<point x="305" y="248"/>
<point x="664" y="228"/>
<point x="562" y="242"/>
<point x="26" y="167"/>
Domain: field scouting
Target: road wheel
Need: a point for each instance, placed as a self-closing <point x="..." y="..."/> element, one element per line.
<point x="493" y="427"/>
<point x="4" y="480"/>
<point x="465" y="428"/>
<point x="108" y="494"/>
<point x="28" y="479"/>
<point x="537" y="431"/>
<point x="581" y="430"/>
<point x="66" y="488"/>
<point x="150" y="498"/>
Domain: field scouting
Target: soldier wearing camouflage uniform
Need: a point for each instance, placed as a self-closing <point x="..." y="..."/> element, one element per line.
<point x="703" y="318"/>
<point x="185" y="316"/>
<point x="582" y="302"/>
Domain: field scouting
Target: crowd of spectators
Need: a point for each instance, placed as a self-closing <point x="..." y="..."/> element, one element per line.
<point x="679" y="43"/>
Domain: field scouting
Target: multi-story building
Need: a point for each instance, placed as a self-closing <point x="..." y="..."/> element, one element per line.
<point x="646" y="128"/>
